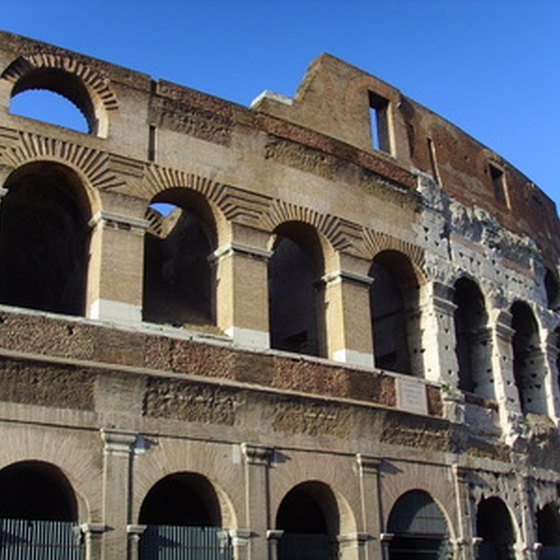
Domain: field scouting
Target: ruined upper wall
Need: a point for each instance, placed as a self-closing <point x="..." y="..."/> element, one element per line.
<point x="329" y="116"/>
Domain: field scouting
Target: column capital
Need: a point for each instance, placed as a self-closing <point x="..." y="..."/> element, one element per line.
<point x="347" y="275"/>
<point x="257" y="454"/>
<point x="93" y="528"/>
<point x="368" y="464"/>
<point x="112" y="219"/>
<point x="240" y="537"/>
<point x="274" y="534"/>
<point x="118" y="442"/>
<point x="136" y="529"/>
<point x="358" y="538"/>
<point x="235" y="247"/>
<point x="3" y="192"/>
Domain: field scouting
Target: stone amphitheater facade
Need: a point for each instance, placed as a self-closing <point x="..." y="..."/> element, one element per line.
<point x="329" y="316"/>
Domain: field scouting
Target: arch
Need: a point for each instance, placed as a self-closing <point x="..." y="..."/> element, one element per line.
<point x="417" y="524"/>
<point x="179" y="283"/>
<point x="44" y="239"/>
<point x="309" y="517"/>
<point x="548" y="532"/>
<point x="183" y="511"/>
<point x="36" y="490"/>
<point x="83" y="86"/>
<point x="295" y="305"/>
<point x="495" y="527"/>
<point x="394" y="309"/>
<point x="473" y="340"/>
<point x="528" y="360"/>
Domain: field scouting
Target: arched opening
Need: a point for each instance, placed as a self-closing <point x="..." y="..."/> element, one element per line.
<point x="548" y="532"/>
<point x="417" y="528"/>
<point x="394" y="309"/>
<point x="44" y="239"/>
<point x="183" y="516"/>
<point x="309" y="518"/>
<point x="42" y="83"/>
<point x="552" y="287"/>
<point x="495" y="528"/>
<point x="45" y="105"/>
<point x="528" y="362"/>
<point x="473" y="341"/>
<point x="38" y="512"/>
<point x="294" y="301"/>
<point x="179" y="280"/>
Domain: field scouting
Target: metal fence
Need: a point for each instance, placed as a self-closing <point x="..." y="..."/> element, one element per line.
<point x="168" y="542"/>
<point x="21" y="539"/>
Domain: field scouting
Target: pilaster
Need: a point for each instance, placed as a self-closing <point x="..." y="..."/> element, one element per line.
<point x="347" y="321"/>
<point x="117" y="468"/>
<point x="93" y="536"/>
<point x="116" y="268"/>
<point x="241" y="272"/>
<point x="370" y="495"/>
<point x="464" y="532"/>
<point x="257" y="515"/>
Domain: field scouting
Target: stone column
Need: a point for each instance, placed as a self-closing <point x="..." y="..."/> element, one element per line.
<point x="240" y="540"/>
<point x="93" y="536"/>
<point x="117" y="469"/>
<point x="371" y="525"/>
<point x="348" y="325"/>
<point x="511" y="418"/>
<point x="241" y="272"/>
<point x="437" y="322"/>
<point x="134" y="533"/>
<point x="526" y="548"/>
<point x="464" y="536"/>
<point x="257" y="508"/>
<point x="353" y="546"/>
<point x="273" y="536"/>
<point x="116" y="268"/>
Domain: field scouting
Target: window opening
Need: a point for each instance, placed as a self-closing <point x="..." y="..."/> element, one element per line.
<point x="499" y="184"/>
<point x="418" y="528"/>
<point x="528" y="366"/>
<point x="548" y="532"/>
<point x="178" y="279"/>
<point x="48" y="106"/>
<point x="308" y="515"/>
<point x="494" y="526"/>
<point x="473" y="341"/>
<point x="379" y="122"/>
<point x="552" y="288"/>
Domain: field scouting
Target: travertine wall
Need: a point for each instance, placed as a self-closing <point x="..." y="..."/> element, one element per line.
<point x="117" y="402"/>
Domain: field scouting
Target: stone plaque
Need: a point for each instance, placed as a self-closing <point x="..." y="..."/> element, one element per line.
<point x="411" y="396"/>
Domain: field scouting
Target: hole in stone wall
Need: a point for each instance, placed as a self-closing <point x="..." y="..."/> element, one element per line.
<point x="499" y="186"/>
<point x="181" y="499"/>
<point x="50" y="107"/>
<point x="178" y="279"/>
<point x="293" y="270"/>
<point x="36" y="491"/>
<point x="379" y="122"/>
<point x="494" y="525"/>
<point x="393" y="300"/>
<point x="44" y="240"/>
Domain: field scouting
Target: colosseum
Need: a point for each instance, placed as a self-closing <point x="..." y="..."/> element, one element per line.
<point x="320" y="327"/>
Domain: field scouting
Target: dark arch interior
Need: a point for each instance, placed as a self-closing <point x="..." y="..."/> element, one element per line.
<point x="393" y="292"/>
<point x="181" y="499"/>
<point x="417" y="524"/>
<point x="63" y="83"/>
<point x="178" y="278"/>
<point x="552" y="286"/>
<point x="527" y="358"/>
<point x="36" y="491"/>
<point x="472" y="347"/>
<point x="300" y="513"/>
<point x="293" y="269"/>
<point x="44" y="240"/>
<point x="548" y="526"/>
<point x="493" y="524"/>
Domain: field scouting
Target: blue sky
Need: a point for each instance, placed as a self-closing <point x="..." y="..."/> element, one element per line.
<point x="491" y="67"/>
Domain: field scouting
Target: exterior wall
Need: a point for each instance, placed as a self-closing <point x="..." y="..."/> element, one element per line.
<point x="117" y="404"/>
